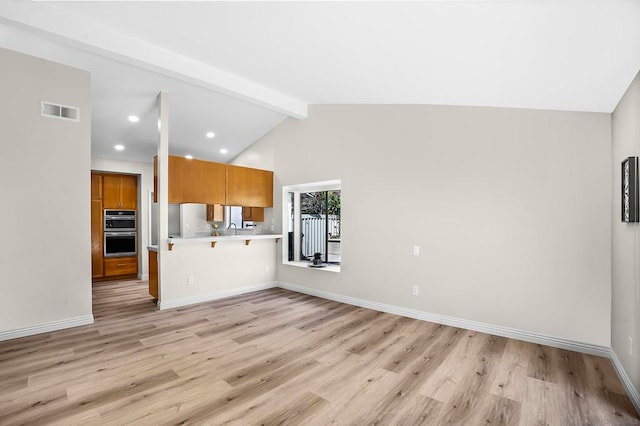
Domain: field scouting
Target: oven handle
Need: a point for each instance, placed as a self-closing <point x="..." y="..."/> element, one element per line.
<point x="119" y="234"/>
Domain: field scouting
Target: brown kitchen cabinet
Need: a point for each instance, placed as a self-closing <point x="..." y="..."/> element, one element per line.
<point x="153" y="274"/>
<point x="115" y="266"/>
<point x="213" y="184"/>
<point x="184" y="180"/>
<point x="96" y="187"/>
<point x="119" y="192"/>
<point x="255" y="214"/>
<point x="193" y="181"/>
<point x="215" y="213"/>
<point x="249" y="187"/>
<point x="97" y="269"/>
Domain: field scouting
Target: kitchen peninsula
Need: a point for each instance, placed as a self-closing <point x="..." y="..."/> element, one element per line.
<point x="197" y="265"/>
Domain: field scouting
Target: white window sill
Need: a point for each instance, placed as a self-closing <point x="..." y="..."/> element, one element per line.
<point x="327" y="268"/>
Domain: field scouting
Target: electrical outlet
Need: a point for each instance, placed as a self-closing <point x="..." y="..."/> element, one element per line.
<point x="416" y="290"/>
<point x="416" y="250"/>
<point x="190" y="279"/>
<point x="630" y="348"/>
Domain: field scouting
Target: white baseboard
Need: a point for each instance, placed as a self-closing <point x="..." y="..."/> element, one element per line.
<point x="634" y="395"/>
<point x="168" y="304"/>
<point x="496" y="330"/>
<point x="143" y="277"/>
<point x="46" y="327"/>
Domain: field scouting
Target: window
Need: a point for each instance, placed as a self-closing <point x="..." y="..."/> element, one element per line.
<point x="312" y="218"/>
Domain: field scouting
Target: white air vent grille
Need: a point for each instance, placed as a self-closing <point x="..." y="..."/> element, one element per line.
<point x="49" y="109"/>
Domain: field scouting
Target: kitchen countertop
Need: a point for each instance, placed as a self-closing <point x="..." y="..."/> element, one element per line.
<point x="223" y="238"/>
<point x="153" y="248"/>
<point x="211" y="239"/>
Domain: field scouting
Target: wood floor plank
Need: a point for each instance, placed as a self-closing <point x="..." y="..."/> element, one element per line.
<point x="418" y="410"/>
<point x="397" y="396"/>
<point x="280" y="357"/>
<point x="442" y="384"/>
<point x="244" y="394"/>
<point x="473" y="391"/>
<point x="510" y="380"/>
<point x="295" y="412"/>
<point x="356" y="401"/>
<point x="420" y="341"/>
<point x="499" y="411"/>
<point x="165" y="403"/>
<point x="542" y="405"/>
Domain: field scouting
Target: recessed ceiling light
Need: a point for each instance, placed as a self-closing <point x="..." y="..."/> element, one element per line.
<point x="134" y="118"/>
<point x="210" y="135"/>
<point x="119" y="147"/>
<point x="188" y="157"/>
<point x="223" y="151"/>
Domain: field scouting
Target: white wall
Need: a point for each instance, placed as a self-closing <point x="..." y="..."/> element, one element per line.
<point x="511" y="209"/>
<point x="230" y="265"/>
<point x="259" y="156"/>
<point x="45" y="191"/>
<point x="145" y="187"/>
<point x="625" y="315"/>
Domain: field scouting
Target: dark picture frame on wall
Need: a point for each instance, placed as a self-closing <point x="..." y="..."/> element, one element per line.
<point x="630" y="211"/>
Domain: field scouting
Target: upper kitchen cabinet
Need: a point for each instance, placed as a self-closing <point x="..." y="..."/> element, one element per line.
<point x="213" y="182"/>
<point x="193" y="181"/>
<point x="249" y="187"/>
<point x="254" y="214"/>
<point x="185" y="177"/>
<point x="119" y="192"/>
<point x="96" y="187"/>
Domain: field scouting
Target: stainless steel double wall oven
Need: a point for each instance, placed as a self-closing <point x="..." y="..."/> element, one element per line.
<point x="120" y="233"/>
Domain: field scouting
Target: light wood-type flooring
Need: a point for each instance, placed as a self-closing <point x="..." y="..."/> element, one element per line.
<point x="277" y="357"/>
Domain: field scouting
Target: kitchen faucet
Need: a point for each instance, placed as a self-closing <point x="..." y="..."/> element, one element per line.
<point x="234" y="227"/>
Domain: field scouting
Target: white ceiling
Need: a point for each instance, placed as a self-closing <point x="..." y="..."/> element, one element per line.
<point x="119" y="90"/>
<point x="276" y="57"/>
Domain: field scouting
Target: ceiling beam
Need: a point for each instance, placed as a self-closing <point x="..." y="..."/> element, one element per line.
<point x="73" y="31"/>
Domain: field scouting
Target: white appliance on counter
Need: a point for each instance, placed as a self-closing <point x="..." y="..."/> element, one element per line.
<point x="193" y="220"/>
<point x="174" y="220"/>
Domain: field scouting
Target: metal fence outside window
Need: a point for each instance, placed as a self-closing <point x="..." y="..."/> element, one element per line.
<point x="314" y="231"/>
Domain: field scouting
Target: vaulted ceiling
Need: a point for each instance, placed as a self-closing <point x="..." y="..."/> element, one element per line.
<point x="239" y="68"/>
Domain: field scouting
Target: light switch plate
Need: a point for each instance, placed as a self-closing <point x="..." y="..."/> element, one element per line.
<point x="416" y="250"/>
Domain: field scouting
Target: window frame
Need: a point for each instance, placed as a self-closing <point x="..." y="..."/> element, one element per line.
<point x="330" y="185"/>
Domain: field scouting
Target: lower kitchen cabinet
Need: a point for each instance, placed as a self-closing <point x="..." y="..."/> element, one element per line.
<point x="153" y="274"/>
<point x="120" y="266"/>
